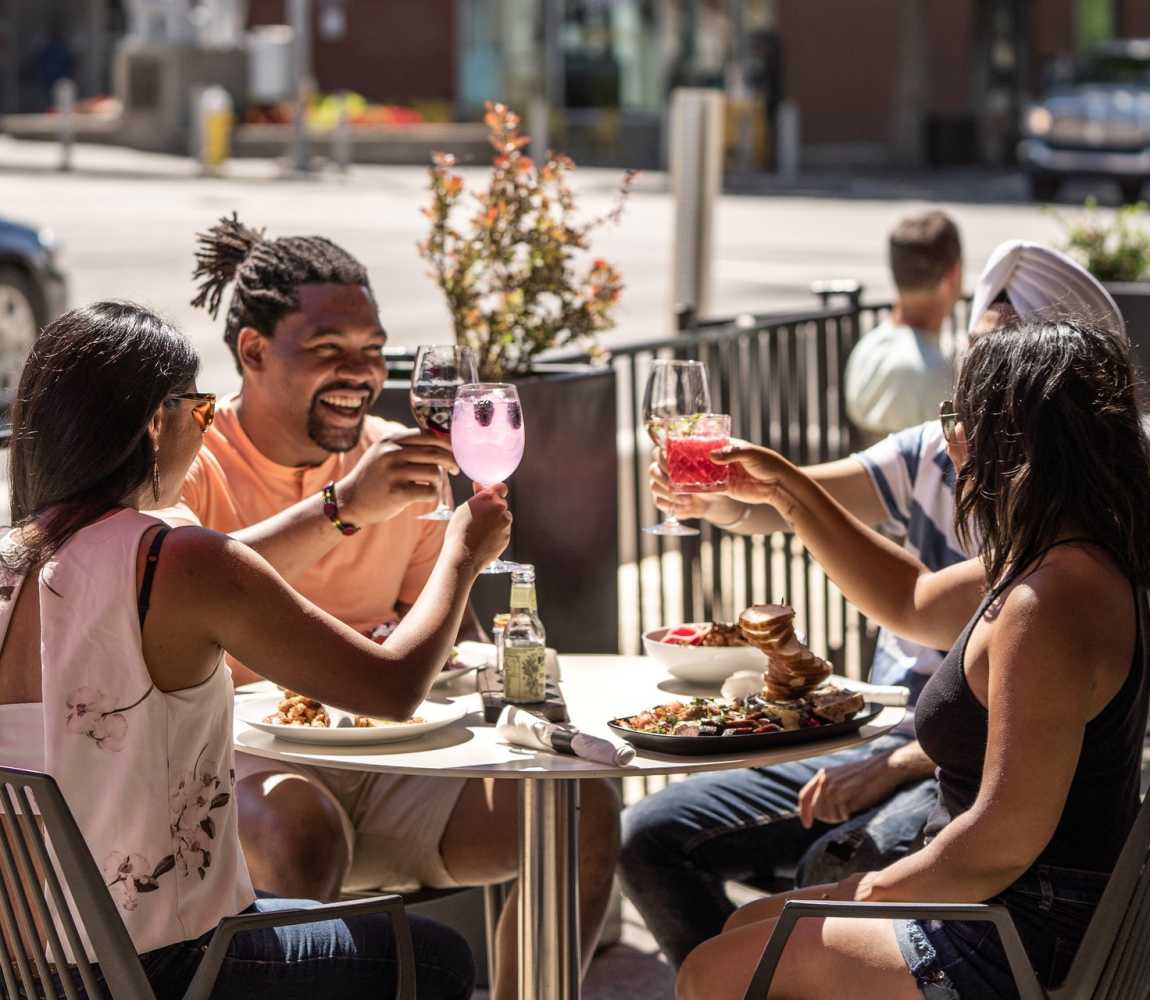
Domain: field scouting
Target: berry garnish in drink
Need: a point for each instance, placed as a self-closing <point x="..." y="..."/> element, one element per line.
<point x="484" y="411"/>
<point x="515" y="415"/>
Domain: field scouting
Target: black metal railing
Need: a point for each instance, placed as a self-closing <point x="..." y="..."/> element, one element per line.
<point x="780" y="377"/>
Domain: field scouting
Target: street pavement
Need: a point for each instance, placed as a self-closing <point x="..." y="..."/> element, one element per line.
<point x="127" y="222"/>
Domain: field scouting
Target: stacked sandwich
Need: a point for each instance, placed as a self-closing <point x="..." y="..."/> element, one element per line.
<point x="792" y="670"/>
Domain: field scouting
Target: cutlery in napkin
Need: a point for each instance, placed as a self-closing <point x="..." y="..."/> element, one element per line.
<point x="524" y="729"/>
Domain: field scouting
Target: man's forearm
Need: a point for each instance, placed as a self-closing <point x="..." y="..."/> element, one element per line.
<point x="294" y="539"/>
<point x="911" y="762"/>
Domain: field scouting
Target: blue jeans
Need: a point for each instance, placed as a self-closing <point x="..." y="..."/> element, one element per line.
<point x="681" y="845"/>
<point x="959" y="960"/>
<point x="352" y="959"/>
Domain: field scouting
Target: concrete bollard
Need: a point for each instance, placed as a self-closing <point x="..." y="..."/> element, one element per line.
<point x="696" y="154"/>
<point x="341" y="144"/>
<point x="64" y="98"/>
<point x="788" y="139"/>
<point x="214" y="120"/>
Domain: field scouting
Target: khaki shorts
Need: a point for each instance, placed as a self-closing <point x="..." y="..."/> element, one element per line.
<point x="393" y="823"/>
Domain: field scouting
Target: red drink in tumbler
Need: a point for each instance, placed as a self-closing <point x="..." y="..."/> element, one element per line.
<point x="689" y="443"/>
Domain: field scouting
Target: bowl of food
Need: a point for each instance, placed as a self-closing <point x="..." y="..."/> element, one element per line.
<point x="702" y="652"/>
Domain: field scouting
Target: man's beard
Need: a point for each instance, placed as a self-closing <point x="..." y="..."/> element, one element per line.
<point x="335" y="439"/>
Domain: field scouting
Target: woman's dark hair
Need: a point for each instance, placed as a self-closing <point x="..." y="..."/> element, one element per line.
<point x="1055" y="439"/>
<point x="80" y="442"/>
<point x="267" y="274"/>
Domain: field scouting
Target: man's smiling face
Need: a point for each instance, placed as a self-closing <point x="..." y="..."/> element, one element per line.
<point x="324" y="364"/>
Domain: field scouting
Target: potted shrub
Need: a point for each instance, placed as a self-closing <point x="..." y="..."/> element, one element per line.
<point x="514" y="266"/>
<point x="1117" y="252"/>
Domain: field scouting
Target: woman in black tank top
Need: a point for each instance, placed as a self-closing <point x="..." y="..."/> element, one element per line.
<point x="1035" y="719"/>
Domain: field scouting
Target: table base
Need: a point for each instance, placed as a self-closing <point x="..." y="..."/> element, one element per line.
<point x="549" y="952"/>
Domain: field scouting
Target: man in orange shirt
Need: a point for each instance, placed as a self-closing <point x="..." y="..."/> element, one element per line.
<point x="295" y="467"/>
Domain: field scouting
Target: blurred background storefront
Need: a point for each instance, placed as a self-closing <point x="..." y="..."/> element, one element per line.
<point x="886" y="82"/>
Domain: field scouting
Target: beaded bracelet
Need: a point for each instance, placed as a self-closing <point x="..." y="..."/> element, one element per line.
<point x="331" y="511"/>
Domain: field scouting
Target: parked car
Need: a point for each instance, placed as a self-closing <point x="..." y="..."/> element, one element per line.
<point x="33" y="292"/>
<point x="1095" y="122"/>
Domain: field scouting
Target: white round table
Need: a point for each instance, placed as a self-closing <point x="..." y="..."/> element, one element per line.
<point x="596" y="689"/>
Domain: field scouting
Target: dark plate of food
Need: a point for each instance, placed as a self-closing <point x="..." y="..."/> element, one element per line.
<point x="708" y="726"/>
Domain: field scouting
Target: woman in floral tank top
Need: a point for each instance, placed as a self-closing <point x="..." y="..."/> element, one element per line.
<point x="113" y="632"/>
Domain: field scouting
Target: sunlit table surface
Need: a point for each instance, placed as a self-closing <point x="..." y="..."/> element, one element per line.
<point x="596" y="689"/>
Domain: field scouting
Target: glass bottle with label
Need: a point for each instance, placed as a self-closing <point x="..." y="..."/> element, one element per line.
<point x="524" y="643"/>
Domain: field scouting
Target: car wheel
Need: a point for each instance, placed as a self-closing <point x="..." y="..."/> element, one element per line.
<point x="19" y="327"/>
<point x="1043" y="187"/>
<point x="1131" y="189"/>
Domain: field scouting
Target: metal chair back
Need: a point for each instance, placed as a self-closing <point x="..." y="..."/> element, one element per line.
<point x="45" y="890"/>
<point x="1113" y="961"/>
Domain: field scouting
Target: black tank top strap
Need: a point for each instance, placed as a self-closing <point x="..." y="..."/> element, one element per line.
<point x="1014" y="574"/>
<point x="145" y="597"/>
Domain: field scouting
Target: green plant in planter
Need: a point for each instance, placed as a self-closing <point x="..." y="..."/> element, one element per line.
<point x="516" y="279"/>
<point x="1117" y="250"/>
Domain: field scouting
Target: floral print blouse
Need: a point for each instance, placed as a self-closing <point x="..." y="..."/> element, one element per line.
<point x="148" y="774"/>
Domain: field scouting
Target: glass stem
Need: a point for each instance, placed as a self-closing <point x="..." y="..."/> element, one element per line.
<point x="445" y="497"/>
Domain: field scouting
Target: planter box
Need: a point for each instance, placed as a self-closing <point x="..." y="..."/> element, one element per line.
<point x="1133" y="299"/>
<point x="564" y="497"/>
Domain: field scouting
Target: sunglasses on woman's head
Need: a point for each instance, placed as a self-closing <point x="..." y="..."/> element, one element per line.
<point x="204" y="411"/>
<point x="948" y="417"/>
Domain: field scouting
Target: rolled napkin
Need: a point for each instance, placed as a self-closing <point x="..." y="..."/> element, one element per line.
<point x="524" y="729"/>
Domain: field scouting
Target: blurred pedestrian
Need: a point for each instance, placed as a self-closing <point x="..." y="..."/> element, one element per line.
<point x="898" y="372"/>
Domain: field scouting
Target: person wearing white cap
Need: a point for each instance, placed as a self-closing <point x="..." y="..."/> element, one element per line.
<point x="682" y="845"/>
<point x="1039" y="283"/>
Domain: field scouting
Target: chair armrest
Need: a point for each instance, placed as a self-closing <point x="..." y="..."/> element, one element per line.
<point x="209" y="967"/>
<point x="795" y="909"/>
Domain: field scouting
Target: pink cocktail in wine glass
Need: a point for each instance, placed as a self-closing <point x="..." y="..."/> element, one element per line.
<point x="689" y="443"/>
<point x="487" y="437"/>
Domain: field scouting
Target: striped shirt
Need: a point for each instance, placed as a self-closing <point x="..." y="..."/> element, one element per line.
<point x="914" y="478"/>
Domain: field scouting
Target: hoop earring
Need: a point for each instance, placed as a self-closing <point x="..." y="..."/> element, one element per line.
<point x="156" y="479"/>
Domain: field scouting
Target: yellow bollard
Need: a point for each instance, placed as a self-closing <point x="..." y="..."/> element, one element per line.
<point x="216" y="120"/>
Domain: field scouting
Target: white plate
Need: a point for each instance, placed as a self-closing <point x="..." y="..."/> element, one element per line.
<point x="253" y="710"/>
<point x="701" y="664"/>
<point x="472" y="656"/>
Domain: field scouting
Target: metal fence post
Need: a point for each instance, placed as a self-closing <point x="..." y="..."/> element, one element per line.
<point x="64" y="97"/>
<point x="696" y="150"/>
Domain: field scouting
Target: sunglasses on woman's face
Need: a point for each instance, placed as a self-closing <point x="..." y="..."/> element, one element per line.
<point x="204" y="410"/>
<point x="948" y="417"/>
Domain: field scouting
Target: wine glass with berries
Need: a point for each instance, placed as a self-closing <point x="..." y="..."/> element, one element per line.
<point x="439" y="370"/>
<point x="487" y="438"/>
<point x="676" y="391"/>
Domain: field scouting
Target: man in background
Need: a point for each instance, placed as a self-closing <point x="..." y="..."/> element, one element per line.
<point x="898" y="372"/>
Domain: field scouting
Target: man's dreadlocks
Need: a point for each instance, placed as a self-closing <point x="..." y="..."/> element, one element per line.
<point x="267" y="274"/>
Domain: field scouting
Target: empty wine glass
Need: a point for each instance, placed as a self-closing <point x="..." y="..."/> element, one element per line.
<point x="674" y="389"/>
<point x="487" y="436"/>
<point x="439" y="370"/>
